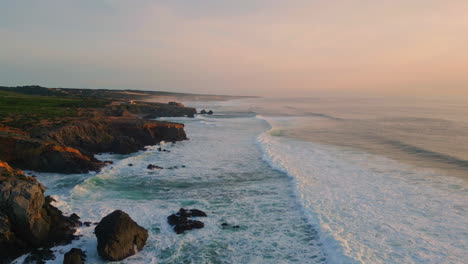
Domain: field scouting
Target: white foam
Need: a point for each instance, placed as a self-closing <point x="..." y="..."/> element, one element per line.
<point x="371" y="209"/>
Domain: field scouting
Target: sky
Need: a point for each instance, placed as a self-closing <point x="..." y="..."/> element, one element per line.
<point x="241" y="47"/>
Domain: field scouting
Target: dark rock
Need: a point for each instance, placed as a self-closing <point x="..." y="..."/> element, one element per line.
<point x="74" y="217"/>
<point x="130" y="164"/>
<point x="118" y="236"/>
<point x="88" y="224"/>
<point x="236" y="226"/>
<point x="39" y="256"/>
<point x="27" y="218"/>
<point x="181" y="222"/>
<point x="62" y="228"/>
<point x="224" y="224"/>
<point x="176" y="104"/>
<point x="210" y="112"/>
<point x="191" y="213"/>
<point x="203" y="112"/>
<point x="159" y="149"/>
<point x="154" y="167"/>
<point x="183" y="166"/>
<point x="74" y="256"/>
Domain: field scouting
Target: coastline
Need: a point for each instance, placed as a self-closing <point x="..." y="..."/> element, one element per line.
<point x="269" y="193"/>
<point x="207" y="173"/>
<point x="65" y="144"/>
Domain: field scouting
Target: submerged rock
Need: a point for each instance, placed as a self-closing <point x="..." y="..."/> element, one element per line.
<point x="39" y="256"/>
<point x="119" y="236"/>
<point x="210" y="112"/>
<point x="154" y="167"/>
<point x="226" y="225"/>
<point x="181" y="222"/>
<point x="74" y="256"/>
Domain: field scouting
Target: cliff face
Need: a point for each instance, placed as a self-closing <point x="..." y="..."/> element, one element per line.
<point x="70" y="148"/>
<point x="44" y="156"/>
<point x="27" y="219"/>
<point x="117" y="135"/>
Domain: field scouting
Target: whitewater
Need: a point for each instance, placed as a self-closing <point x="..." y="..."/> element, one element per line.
<point x="298" y="193"/>
<point x="371" y="208"/>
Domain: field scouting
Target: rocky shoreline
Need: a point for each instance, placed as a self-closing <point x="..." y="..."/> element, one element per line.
<point x="28" y="220"/>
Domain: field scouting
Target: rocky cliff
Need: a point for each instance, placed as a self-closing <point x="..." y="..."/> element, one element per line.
<point x="27" y="219"/>
<point x="44" y="156"/>
<point x="70" y="148"/>
<point x="117" y="135"/>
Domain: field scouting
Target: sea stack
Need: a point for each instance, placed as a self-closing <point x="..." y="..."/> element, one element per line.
<point x="119" y="237"/>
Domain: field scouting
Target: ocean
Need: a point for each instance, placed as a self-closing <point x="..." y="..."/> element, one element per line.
<point x="307" y="180"/>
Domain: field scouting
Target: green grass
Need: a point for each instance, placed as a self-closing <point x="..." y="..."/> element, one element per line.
<point x="29" y="108"/>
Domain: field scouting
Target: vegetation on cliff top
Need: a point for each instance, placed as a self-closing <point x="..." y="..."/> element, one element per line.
<point x="19" y="110"/>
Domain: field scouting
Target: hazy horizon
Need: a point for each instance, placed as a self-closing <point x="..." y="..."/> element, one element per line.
<point x="256" y="47"/>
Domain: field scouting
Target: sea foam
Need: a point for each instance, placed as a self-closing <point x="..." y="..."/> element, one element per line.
<point x="370" y="209"/>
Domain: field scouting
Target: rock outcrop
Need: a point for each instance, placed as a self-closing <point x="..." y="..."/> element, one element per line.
<point x="119" y="236"/>
<point x="70" y="148"/>
<point x="27" y="219"/>
<point x="74" y="256"/>
<point x="204" y="112"/>
<point x="44" y="156"/>
<point x="181" y="222"/>
<point x="154" y="167"/>
<point x="118" y="135"/>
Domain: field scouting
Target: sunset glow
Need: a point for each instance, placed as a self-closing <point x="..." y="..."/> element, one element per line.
<point x="254" y="47"/>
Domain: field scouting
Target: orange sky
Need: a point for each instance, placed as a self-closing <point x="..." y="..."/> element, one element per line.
<point x="258" y="47"/>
